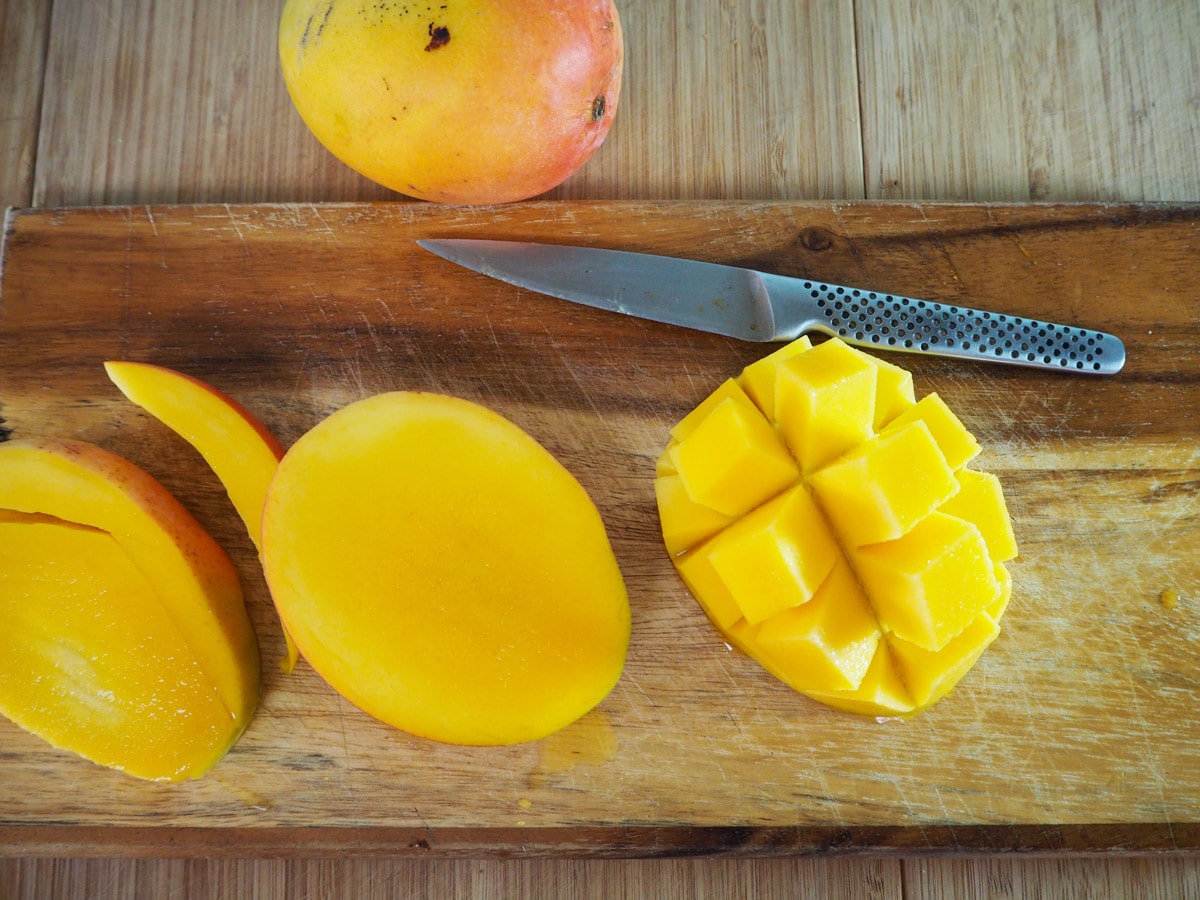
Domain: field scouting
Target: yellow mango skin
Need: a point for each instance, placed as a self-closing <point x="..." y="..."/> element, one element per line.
<point x="476" y="101"/>
<point x="240" y="450"/>
<point x="69" y="489"/>
<point x="443" y="572"/>
<point x="913" y="540"/>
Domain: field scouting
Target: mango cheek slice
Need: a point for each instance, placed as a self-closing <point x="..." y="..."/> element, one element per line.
<point x="829" y="526"/>
<point x="443" y="572"/>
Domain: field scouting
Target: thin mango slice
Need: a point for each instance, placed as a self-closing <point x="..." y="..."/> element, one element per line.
<point x="124" y="635"/>
<point x="239" y="448"/>
<point x="872" y="579"/>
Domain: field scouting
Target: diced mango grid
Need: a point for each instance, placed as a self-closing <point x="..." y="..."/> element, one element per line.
<point x="829" y="526"/>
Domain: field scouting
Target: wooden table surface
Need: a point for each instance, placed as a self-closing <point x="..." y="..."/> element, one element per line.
<point x="133" y="102"/>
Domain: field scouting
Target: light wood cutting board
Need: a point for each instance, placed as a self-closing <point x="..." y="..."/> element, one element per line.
<point x="1077" y="731"/>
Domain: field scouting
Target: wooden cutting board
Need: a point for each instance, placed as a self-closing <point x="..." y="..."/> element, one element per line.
<point x="1078" y="730"/>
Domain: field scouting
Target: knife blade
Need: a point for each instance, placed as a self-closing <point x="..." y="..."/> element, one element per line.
<point x="760" y="306"/>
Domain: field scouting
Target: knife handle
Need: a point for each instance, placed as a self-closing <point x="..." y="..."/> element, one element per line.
<point x="904" y="324"/>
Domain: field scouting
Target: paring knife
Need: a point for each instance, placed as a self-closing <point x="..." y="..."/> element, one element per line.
<point x="759" y="306"/>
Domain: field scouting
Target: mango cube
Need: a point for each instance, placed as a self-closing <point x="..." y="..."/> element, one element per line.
<point x="685" y="522"/>
<point x="882" y="691"/>
<point x="732" y="460"/>
<point x="930" y="674"/>
<point x="980" y="499"/>
<point x="957" y="444"/>
<point x="729" y="389"/>
<point x="825" y="402"/>
<point x="711" y="592"/>
<point x="930" y="583"/>
<point x="996" y="609"/>
<point x="776" y="557"/>
<point x="831" y="639"/>
<point x="758" y="378"/>
<point x="893" y="391"/>
<point x="868" y="573"/>
<point x="883" y="487"/>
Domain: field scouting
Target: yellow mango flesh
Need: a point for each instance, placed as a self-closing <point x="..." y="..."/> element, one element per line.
<point x="733" y="460"/>
<point x="441" y="570"/>
<point x="775" y="557"/>
<point x="980" y="499"/>
<point x="886" y="485"/>
<point x="825" y="402"/>
<point x="124" y="633"/>
<point x="831" y="639"/>
<point x="872" y="580"/>
<point x="239" y="449"/>
<point x="928" y="584"/>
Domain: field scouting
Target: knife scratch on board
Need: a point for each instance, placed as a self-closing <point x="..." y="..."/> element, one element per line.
<point x="851" y="244"/>
<point x="234" y="222"/>
<point x="936" y="234"/>
<point x="1012" y="233"/>
<point x="380" y="346"/>
<point x="316" y="212"/>
<point x="583" y="387"/>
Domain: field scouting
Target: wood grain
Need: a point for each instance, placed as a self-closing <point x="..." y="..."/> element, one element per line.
<point x="24" y="28"/>
<point x="175" y="102"/>
<point x="731" y="100"/>
<point x="694" y="879"/>
<point x="186" y="104"/>
<point x="124" y="879"/>
<point x="724" y="101"/>
<point x="1030" y="101"/>
<point x="1075" y="733"/>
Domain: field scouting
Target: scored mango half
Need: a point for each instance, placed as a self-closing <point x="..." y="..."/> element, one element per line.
<point x="829" y="526"/>
<point x="444" y="572"/>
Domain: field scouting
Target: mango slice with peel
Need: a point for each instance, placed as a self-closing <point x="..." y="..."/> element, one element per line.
<point x="239" y="449"/>
<point x="124" y="636"/>
<point x="870" y="575"/>
<point x="444" y="572"/>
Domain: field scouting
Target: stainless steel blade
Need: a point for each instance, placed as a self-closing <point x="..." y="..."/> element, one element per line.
<point x="759" y="306"/>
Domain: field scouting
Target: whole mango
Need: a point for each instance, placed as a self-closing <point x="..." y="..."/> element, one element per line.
<point x="462" y="101"/>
